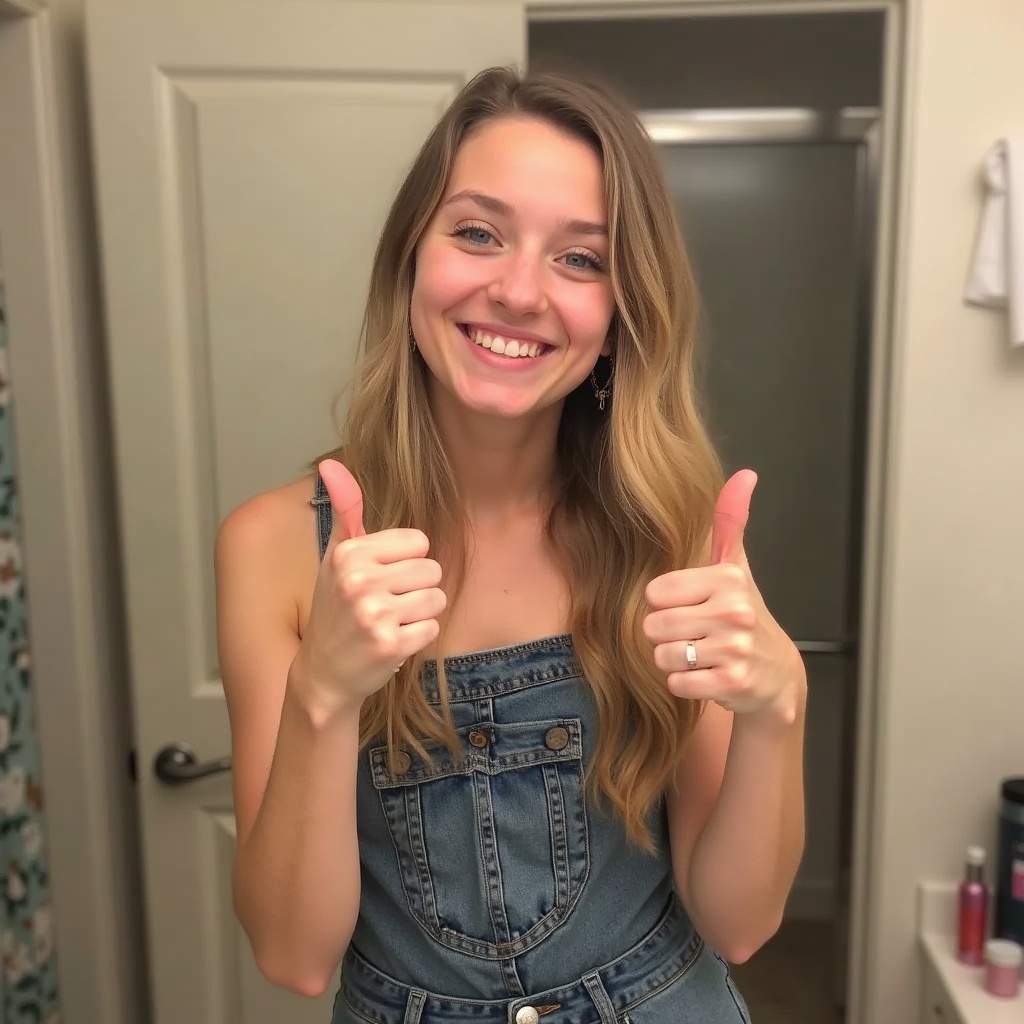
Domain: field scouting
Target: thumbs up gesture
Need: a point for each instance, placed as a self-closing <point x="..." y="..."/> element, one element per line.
<point x="713" y="636"/>
<point x="375" y="602"/>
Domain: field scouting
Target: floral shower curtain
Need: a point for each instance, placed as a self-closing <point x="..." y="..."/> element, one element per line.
<point x="28" y="979"/>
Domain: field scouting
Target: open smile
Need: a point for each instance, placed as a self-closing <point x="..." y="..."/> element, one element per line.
<point x="504" y="349"/>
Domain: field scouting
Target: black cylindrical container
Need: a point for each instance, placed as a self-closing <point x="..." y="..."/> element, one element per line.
<point x="1009" y="916"/>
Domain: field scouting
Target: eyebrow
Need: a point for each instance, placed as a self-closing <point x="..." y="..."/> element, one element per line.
<point x="500" y="207"/>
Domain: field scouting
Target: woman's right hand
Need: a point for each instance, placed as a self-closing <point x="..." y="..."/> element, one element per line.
<point x="375" y="603"/>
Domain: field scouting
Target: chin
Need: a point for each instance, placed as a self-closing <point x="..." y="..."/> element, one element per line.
<point x="502" y="403"/>
<point x="499" y="410"/>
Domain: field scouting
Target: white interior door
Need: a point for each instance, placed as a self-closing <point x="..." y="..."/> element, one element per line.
<point x="246" y="154"/>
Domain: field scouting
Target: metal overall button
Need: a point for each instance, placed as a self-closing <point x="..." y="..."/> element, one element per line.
<point x="557" y="738"/>
<point x="478" y="738"/>
<point x="532" y="1014"/>
<point x="400" y="763"/>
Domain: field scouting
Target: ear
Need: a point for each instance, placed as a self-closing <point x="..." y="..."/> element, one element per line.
<point x="606" y="349"/>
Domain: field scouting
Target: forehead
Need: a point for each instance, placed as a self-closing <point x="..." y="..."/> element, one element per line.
<point x="533" y="166"/>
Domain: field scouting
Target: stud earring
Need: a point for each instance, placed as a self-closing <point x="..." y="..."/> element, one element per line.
<point x="602" y="394"/>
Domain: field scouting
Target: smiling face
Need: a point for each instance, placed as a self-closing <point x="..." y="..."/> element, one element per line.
<point x="512" y="299"/>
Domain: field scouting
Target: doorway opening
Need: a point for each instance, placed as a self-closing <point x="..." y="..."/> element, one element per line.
<point x="768" y="129"/>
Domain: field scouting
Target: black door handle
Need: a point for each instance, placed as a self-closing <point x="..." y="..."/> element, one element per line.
<point x="176" y="764"/>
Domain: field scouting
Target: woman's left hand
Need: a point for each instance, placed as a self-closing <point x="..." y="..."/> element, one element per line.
<point x="739" y="656"/>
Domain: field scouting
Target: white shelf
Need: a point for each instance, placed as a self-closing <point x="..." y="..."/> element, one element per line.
<point x="964" y="986"/>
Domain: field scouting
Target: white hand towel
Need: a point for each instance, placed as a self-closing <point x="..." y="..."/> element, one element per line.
<point x="997" y="275"/>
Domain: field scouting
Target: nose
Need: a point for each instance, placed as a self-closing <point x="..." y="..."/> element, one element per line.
<point x="518" y="285"/>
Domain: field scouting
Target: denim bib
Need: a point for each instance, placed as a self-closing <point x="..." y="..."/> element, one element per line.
<point x="493" y="890"/>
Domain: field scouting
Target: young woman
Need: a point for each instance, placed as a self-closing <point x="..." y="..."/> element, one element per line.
<point x="518" y="739"/>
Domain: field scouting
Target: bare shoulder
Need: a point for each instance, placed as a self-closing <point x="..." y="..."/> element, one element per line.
<point x="270" y="541"/>
<point x="271" y="517"/>
<point x="266" y="562"/>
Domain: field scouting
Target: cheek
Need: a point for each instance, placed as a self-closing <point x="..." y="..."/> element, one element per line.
<point x="587" y="313"/>
<point x="443" y="278"/>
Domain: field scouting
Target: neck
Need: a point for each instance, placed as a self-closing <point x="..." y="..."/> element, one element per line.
<point x="503" y="466"/>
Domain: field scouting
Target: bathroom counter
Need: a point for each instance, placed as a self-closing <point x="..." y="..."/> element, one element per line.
<point x="952" y="992"/>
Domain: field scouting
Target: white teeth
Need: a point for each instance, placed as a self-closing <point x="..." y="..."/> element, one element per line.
<point x="510" y="347"/>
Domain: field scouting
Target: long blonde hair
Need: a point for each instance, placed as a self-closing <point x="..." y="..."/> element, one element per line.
<point x="635" y="485"/>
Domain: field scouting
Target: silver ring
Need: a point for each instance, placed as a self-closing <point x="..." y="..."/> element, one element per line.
<point x="691" y="655"/>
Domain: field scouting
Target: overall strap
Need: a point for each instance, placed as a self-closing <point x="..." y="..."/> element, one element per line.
<point x="321" y="501"/>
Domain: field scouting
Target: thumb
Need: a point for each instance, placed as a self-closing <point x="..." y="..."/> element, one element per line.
<point x="731" y="511"/>
<point x="346" y="500"/>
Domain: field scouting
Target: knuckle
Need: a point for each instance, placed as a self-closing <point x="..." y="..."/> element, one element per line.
<point x="341" y="555"/>
<point x="741" y="613"/>
<point x="735" y="677"/>
<point x="352" y="583"/>
<point x="741" y="645"/>
<point x="734" y="575"/>
<point x="385" y="641"/>
<point x="368" y="614"/>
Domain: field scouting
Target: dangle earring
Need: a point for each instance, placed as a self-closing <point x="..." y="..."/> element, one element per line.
<point x="602" y="394"/>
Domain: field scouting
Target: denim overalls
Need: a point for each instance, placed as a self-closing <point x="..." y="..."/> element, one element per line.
<point x="493" y="892"/>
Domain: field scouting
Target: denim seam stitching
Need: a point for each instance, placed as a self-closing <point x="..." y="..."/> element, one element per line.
<point x="422" y="858"/>
<point x="488" y="840"/>
<point x="731" y="986"/>
<point x="558" y="862"/>
<point x="684" y="969"/>
<point x="470" y="763"/>
<point x="398" y="863"/>
<point x="356" y="1010"/>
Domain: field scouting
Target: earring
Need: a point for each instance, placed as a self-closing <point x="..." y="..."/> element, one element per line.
<point x="412" y="339"/>
<point x="602" y="394"/>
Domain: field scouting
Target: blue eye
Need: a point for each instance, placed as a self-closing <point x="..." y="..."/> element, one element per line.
<point x="478" y="236"/>
<point x="586" y="261"/>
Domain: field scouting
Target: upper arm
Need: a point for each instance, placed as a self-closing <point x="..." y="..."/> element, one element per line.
<point x="257" y="637"/>
<point x="698" y="780"/>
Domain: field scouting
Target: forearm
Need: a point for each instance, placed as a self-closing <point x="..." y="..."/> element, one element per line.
<point x="743" y="863"/>
<point x="296" y="878"/>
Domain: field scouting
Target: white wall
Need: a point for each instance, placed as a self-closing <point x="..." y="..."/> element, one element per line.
<point x="951" y="712"/>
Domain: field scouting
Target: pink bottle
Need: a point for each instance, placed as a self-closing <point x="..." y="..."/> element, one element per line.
<point x="973" y="910"/>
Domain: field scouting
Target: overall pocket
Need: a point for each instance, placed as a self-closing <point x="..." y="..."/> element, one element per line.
<point x="493" y="848"/>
